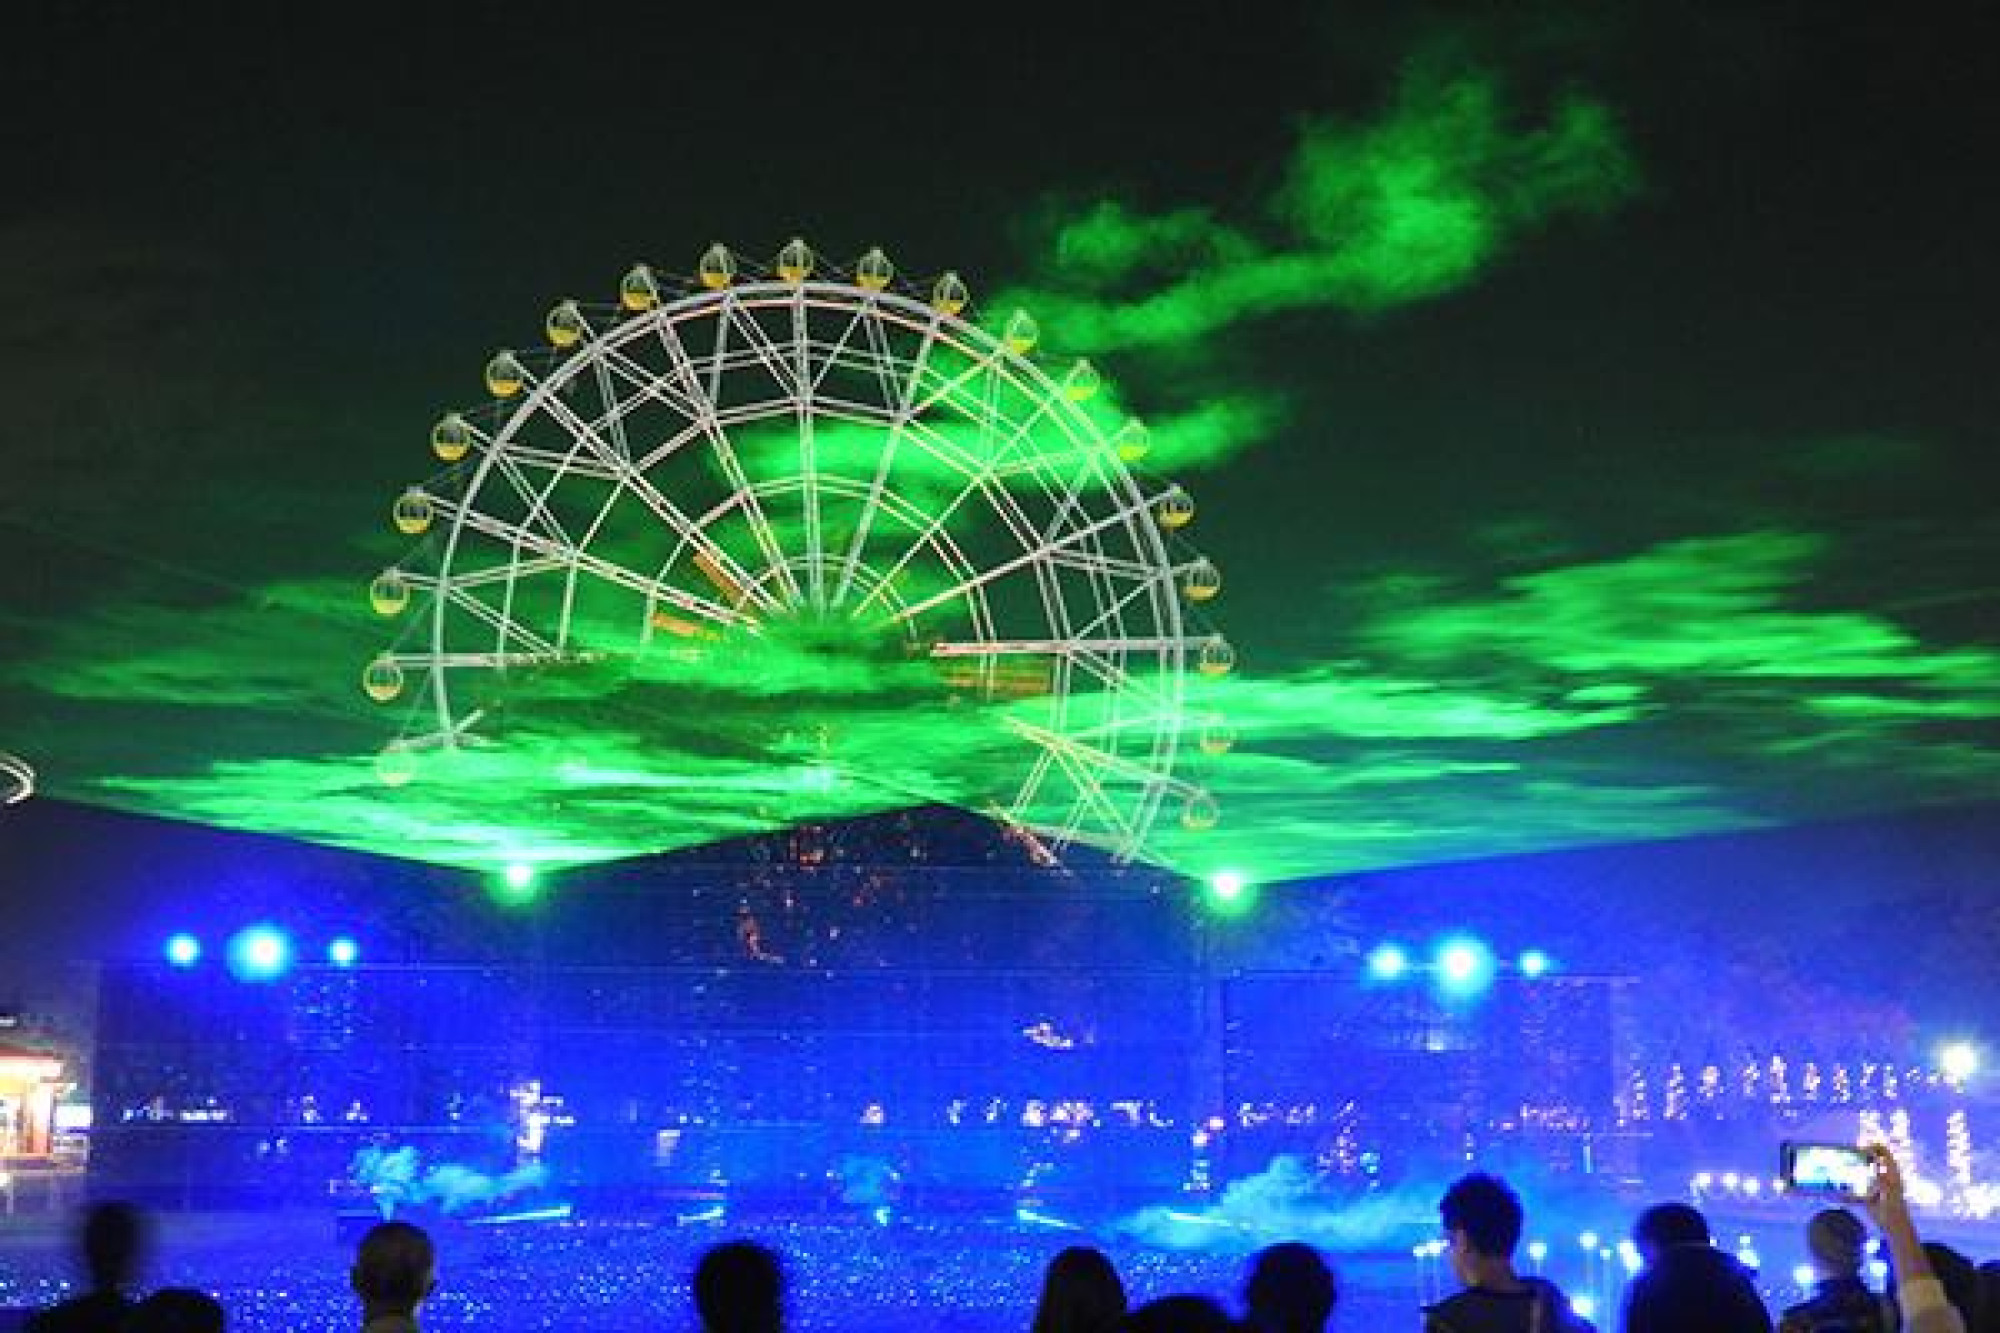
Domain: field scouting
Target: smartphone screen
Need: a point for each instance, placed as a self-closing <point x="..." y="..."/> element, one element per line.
<point x="1826" y="1168"/>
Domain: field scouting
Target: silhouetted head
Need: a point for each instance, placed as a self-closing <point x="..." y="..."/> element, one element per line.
<point x="114" y="1234"/>
<point x="1290" y="1290"/>
<point x="1081" y="1293"/>
<point x="1483" y="1218"/>
<point x="1666" y="1226"/>
<point x="1178" y="1314"/>
<point x="739" y="1288"/>
<point x="395" y="1268"/>
<point x="176" y="1310"/>
<point x="1838" y="1242"/>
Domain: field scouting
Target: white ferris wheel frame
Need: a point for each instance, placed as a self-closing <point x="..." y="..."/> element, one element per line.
<point x="17" y="779"/>
<point x="1138" y="618"/>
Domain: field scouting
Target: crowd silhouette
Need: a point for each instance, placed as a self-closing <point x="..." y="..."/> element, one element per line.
<point x="1685" y="1285"/>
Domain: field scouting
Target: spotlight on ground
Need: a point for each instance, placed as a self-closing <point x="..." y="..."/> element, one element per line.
<point x="343" y="952"/>
<point x="1464" y="964"/>
<point x="1959" y="1060"/>
<point x="259" y="953"/>
<point x="1228" y="891"/>
<point x="1388" y="962"/>
<point x="517" y="883"/>
<point x="183" y="950"/>
<point x="1534" y="963"/>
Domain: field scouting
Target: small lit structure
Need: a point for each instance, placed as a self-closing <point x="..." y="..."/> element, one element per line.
<point x="950" y="295"/>
<point x="1082" y="382"/>
<point x="638" y="290"/>
<point x="29" y="1080"/>
<point x="795" y="261"/>
<point x="1021" y="333"/>
<point x="874" y="272"/>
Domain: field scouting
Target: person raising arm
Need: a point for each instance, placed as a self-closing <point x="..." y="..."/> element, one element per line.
<point x="1919" y="1294"/>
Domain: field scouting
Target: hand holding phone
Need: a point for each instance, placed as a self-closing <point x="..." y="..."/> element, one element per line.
<point x="1838" y="1170"/>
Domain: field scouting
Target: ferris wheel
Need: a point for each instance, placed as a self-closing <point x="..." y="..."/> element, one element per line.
<point x="799" y="483"/>
<point x="17" y="779"/>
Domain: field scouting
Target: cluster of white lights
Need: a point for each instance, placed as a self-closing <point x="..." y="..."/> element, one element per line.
<point x="1704" y="1183"/>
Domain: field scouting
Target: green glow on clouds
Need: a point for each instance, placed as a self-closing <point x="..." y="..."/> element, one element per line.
<point x="1404" y="208"/>
<point x="184" y="620"/>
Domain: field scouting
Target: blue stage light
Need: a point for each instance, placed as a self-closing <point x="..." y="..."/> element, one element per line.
<point x="343" y="952"/>
<point x="1386" y="962"/>
<point x="183" y="950"/>
<point x="1464" y="964"/>
<point x="1534" y="963"/>
<point x="259" y="953"/>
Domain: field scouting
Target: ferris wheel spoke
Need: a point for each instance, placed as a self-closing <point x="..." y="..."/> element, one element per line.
<point x="477" y="578"/>
<point x="491" y="661"/>
<point x="1110" y="761"/>
<point x="1121" y="515"/>
<point x="697" y="406"/>
<point x="787" y="372"/>
<point x="1095" y="562"/>
<point x="902" y="393"/>
<point x="808" y="453"/>
<point x="529" y="456"/>
<point x="1090" y="792"/>
<point x="536" y="499"/>
<point x="646" y="388"/>
<point x="978" y="479"/>
<point x="505" y="625"/>
<point x="593" y="564"/>
<point x="707" y="397"/>
<point x="1085" y="761"/>
<point x="643" y="489"/>
<point x="1053" y="647"/>
<point x="831" y="353"/>
<point x="933" y="531"/>
<point x="978" y="366"/>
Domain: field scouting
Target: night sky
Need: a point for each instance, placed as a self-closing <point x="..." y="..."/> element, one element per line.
<point x="1592" y="415"/>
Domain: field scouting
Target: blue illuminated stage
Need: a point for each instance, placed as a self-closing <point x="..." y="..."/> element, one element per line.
<point x="919" y="1074"/>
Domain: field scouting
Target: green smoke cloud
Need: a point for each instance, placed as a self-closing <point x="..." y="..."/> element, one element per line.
<point x="1367" y="216"/>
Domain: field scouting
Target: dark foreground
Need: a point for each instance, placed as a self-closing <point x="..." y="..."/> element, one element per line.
<point x="287" y="1272"/>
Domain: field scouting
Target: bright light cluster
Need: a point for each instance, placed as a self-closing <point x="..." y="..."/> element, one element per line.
<point x="1462" y="964"/>
<point x="257" y="953"/>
